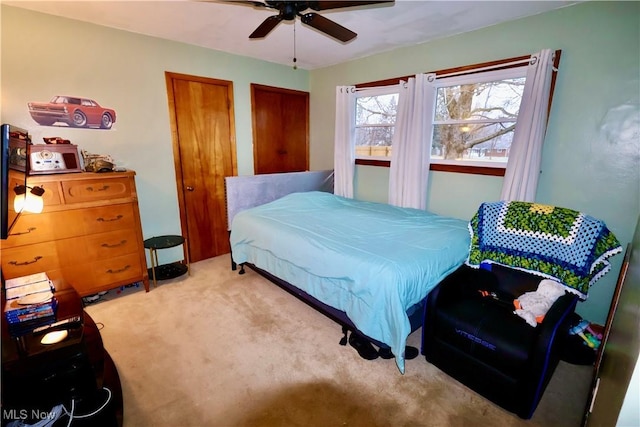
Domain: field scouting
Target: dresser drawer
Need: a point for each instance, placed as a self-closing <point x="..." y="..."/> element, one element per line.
<point x="124" y="269"/>
<point x="91" y="190"/>
<point x="44" y="227"/>
<point x="25" y="260"/>
<point x="30" y="229"/>
<point x="101" y="246"/>
<point x="112" y="244"/>
<point x="108" y="218"/>
<point x="51" y="196"/>
<point x="90" y="278"/>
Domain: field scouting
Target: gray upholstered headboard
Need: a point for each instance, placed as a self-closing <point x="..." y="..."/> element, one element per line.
<point x="243" y="192"/>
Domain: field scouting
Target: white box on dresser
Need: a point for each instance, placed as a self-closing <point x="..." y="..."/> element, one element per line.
<point x="89" y="233"/>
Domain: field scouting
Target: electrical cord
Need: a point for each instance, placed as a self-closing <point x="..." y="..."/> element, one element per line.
<point x="73" y="404"/>
<point x="100" y="408"/>
<point x="72" y="416"/>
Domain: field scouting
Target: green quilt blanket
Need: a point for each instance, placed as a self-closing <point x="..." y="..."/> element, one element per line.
<point x="552" y="242"/>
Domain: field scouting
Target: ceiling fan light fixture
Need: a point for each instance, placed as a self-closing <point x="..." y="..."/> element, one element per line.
<point x="289" y="11"/>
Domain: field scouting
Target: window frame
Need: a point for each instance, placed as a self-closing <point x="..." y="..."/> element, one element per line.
<point x="463" y="71"/>
<point x="371" y="92"/>
<point x="483" y="77"/>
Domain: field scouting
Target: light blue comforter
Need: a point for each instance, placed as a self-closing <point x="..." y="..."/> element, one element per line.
<point x="371" y="260"/>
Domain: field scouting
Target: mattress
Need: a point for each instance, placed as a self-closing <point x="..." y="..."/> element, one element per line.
<point x="371" y="260"/>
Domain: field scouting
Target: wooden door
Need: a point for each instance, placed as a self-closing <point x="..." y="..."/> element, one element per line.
<point x="203" y="130"/>
<point x="280" y="129"/>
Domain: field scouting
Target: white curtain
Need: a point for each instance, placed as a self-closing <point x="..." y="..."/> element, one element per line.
<point x="344" y="158"/>
<point x="411" y="153"/>
<point x="523" y="168"/>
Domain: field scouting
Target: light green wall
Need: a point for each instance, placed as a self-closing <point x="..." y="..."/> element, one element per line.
<point x="585" y="167"/>
<point x="591" y="158"/>
<point x="43" y="55"/>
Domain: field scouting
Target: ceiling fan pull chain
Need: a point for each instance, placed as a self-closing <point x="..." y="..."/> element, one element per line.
<point x="295" y="66"/>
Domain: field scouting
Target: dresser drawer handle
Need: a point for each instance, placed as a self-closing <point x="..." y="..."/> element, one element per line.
<point x="125" y="268"/>
<point x="29" y="230"/>
<point x="16" y="263"/>
<point x="104" y="188"/>
<point x="109" y="220"/>
<point x="106" y="245"/>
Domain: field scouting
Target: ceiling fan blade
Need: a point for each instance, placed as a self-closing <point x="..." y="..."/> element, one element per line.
<point x="266" y="27"/>
<point x="325" y="5"/>
<point x="249" y="3"/>
<point x="328" y="27"/>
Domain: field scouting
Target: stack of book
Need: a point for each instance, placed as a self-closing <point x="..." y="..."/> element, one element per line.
<point x="30" y="303"/>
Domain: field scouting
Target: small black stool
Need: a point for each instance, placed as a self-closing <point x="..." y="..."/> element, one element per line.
<point x="171" y="270"/>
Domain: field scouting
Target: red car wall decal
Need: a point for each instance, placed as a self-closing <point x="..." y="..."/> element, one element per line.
<point x="74" y="111"/>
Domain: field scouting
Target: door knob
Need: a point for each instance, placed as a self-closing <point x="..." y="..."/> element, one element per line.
<point x="189" y="188"/>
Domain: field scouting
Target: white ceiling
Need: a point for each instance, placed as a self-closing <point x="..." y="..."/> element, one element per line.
<point x="225" y="26"/>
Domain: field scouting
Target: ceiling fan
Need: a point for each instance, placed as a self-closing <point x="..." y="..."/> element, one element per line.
<point x="289" y="10"/>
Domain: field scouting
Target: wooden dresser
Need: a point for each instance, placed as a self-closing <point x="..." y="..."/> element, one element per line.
<point x="89" y="234"/>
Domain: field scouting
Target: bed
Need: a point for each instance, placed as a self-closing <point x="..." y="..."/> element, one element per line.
<point x="369" y="266"/>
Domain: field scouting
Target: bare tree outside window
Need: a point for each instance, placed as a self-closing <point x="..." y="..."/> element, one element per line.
<point x="476" y="121"/>
<point x="473" y="121"/>
<point x="375" y="121"/>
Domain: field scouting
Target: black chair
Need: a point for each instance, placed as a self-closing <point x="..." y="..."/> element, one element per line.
<point x="479" y="341"/>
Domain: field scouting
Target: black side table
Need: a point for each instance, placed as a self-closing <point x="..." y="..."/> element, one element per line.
<point x="36" y="377"/>
<point x="171" y="270"/>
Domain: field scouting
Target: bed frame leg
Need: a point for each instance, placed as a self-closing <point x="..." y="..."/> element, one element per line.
<point x="234" y="266"/>
<point x="343" y="340"/>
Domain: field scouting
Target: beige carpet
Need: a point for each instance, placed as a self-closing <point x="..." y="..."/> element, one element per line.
<point x="219" y="349"/>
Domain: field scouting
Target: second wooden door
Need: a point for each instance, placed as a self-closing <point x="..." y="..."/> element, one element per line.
<point x="280" y="129"/>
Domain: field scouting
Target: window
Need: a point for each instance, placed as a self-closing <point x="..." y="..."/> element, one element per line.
<point x="475" y="117"/>
<point x="375" y="121"/>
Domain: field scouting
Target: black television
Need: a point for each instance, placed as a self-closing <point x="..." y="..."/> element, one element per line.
<point x="13" y="142"/>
